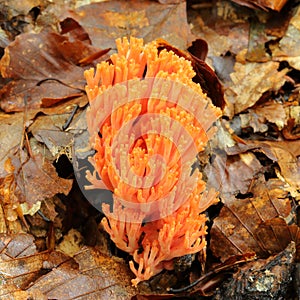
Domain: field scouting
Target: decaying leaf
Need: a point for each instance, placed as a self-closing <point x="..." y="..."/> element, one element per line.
<point x="263" y="4"/>
<point x="43" y="68"/>
<point x="12" y="124"/>
<point x="250" y="81"/>
<point x="233" y="174"/>
<point x="262" y="279"/>
<point x="16" y="246"/>
<point x="89" y="275"/>
<point x="71" y="243"/>
<point x="146" y="19"/>
<point x="285" y="153"/>
<point x="288" y="49"/>
<point x="258" y="116"/>
<point x="34" y="170"/>
<point x="19" y="271"/>
<point x="22" y="185"/>
<point x="277" y="235"/>
<point x="93" y="276"/>
<point x="233" y="231"/>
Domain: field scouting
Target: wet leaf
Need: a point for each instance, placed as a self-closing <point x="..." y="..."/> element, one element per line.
<point x="43" y="69"/>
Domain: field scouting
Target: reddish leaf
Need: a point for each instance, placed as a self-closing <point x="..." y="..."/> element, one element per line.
<point x="263" y="4"/>
<point x="43" y="66"/>
<point x="205" y="76"/>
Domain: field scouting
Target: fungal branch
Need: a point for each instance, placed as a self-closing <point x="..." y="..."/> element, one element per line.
<point x="153" y="120"/>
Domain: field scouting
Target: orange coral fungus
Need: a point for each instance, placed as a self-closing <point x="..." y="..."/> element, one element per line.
<point x="147" y="121"/>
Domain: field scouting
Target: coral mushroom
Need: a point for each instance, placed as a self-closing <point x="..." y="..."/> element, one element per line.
<point x="147" y="121"/>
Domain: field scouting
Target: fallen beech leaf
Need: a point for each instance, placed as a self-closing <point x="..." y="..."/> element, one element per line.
<point x="14" y="246"/>
<point x="28" y="180"/>
<point x="43" y="67"/>
<point x="233" y="231"/>
<point x="257" y="117"/>
<point x="233" y="174"/>
<point x="8" y="142"/>
<point x="289" y="166"/>
<point x="224" y="32"/>
<point x="277" y="235"/>
<point x="288" y="49"/>
<point x="97" y="277"/>
<point x="250" y="81"/>
<point x="285" y="153"/>
<point x="20" y="271"/>
<point x="48" y="130"/>
<point x="146" y="19"/>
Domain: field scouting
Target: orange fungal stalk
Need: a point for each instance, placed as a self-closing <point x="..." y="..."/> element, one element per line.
<point x="147" y="121"/>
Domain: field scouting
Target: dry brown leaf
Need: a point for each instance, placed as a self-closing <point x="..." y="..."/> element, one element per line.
<point x="29" y="180"/>
<point x="144" y="19"/>
<point x="257" y="117"/>
<point x="15" y="246"/>
<point x="289" y="166"/>
<point x="21" y="269"/>
<point x="288" y="49"/>
<point x="97" y="277"/>
<point x="277" y="234"/>
<point x="285" y="153"/>
<point x="38" y="179"/>
<point x="12" y="124"/>
<point x="48" y="130"/>
<point x="250" y="81"/>
<point x="233" y="174"/>
<point x="233" y="231"/>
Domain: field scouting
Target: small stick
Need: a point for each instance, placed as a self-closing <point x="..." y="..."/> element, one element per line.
<point x="67" y="124"/>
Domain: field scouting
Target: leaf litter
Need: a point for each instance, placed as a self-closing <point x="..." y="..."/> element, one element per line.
<point x="254" y="163"/>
